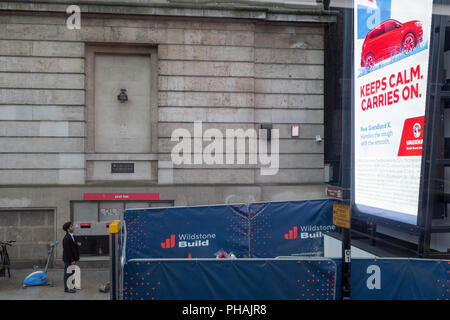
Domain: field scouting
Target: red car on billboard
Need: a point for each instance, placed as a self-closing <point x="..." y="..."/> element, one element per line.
<point x="388" y="39"/>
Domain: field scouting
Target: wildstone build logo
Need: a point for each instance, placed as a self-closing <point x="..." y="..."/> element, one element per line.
<point x="169" y="242"/>
<point x="188" y="240"/>
<point x="292" y="234"/>
<point x="307" y="232"/>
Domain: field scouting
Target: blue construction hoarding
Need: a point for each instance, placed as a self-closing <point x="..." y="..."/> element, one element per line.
<point x="400" y="279"/>
<point x="156" y="242"/>
<point x="229" y="279"/>
<point x="185" y="232"/>
<point x="255" y="230"/>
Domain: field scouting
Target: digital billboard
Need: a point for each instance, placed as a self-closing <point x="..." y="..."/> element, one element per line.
<point x="391" y="54"/>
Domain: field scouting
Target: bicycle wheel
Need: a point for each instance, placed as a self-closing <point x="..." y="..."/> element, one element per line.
<point x="2" y="265"/>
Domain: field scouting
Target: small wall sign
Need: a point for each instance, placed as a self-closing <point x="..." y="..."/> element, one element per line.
<point x="122" y="167"/>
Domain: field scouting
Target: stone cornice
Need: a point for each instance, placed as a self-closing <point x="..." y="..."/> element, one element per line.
<point x="280" y="11"/>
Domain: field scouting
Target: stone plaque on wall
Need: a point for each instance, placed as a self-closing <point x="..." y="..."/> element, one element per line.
<point x="122" y="167"/>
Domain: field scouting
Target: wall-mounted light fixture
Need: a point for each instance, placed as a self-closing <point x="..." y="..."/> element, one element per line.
<point x="122" y="97"/>
<point x="268" y="128"/>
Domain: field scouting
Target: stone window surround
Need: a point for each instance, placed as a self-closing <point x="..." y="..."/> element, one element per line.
<point x="91" y="49"/>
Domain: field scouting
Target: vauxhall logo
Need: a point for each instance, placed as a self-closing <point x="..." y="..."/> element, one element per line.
<point x="188" y="240"/>
<point x="307" y="232"/>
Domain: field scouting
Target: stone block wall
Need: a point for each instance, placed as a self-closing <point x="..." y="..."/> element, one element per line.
<point x="33" y="230"/>
<point x="226" y="73"/>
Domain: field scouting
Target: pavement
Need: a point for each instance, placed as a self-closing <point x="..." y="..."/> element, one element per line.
<point x="91" y="280"/>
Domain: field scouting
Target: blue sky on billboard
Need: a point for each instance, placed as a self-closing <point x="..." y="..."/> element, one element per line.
<point x="369" y="18"/>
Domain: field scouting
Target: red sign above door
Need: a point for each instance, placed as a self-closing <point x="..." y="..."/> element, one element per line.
<point x="120" y="196"/>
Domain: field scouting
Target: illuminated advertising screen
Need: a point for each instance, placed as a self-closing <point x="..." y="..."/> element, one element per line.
<point x="391" y="53"/>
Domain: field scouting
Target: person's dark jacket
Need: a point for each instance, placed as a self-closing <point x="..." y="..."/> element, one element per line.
<point x="70" y="249"/>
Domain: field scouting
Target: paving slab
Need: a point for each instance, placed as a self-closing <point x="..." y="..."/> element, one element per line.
<point x="91" y="280"/>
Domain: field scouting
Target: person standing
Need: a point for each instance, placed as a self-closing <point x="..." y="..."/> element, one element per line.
<point x="70" y="252"/>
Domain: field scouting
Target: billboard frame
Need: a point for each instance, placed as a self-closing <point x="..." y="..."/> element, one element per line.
<point x="422" y="228"/>
<point x="430" y="157"/>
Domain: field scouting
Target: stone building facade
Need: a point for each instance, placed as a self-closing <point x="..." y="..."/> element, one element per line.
<point x="62" y="127"/>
